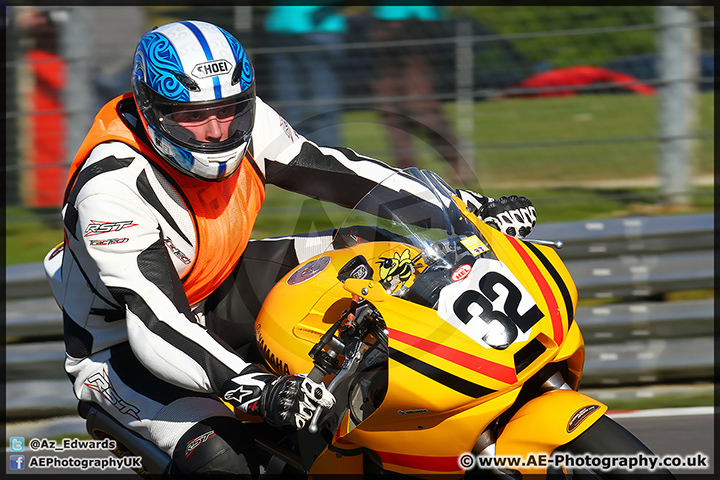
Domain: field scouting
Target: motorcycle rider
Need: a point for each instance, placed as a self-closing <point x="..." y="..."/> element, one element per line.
<point x="160" y="281"/>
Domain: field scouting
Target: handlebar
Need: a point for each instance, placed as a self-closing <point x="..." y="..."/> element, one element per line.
<point x="558" y="244"/>
<point x="316" y="375"/>
<point x="325" y="362"/>
<point x="349" y="366"/>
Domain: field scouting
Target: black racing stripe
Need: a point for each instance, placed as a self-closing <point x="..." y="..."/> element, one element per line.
<point x="146" y="191"/>
<point x="70" y="219"/>
<point x="186" y="202"/>
<point x="445" y="378"/>
<point x="352" y="155"/>
<point x="109" y="314"/>
<point x="78" y="181"/>
<point x="155" y="265"/>
<point x="88" y="283"/>
<point x="558" y="280"/>
<point x="217" y="372"/>
<point x="323" y="177"/>
<point x="107" y="164"/>
<point x="319" y="176"/>
<point x="71" y="182"/>
<point x="78" y="341"/>
<point x="249" y="155"/>
<point x="136" y="376"/>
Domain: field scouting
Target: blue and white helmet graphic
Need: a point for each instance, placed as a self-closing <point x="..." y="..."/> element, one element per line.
<point x="194" y="87"/>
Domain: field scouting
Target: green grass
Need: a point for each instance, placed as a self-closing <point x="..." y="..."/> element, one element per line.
<point x="703" y="400"/>
<point x="29" y="235"/>
<point x="514" y="145"/>
<point x="516" y="139"/>
<point x="655" y="396"/>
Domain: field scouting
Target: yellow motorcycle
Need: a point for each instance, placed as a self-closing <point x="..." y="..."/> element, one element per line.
<point x="450" y="347"/>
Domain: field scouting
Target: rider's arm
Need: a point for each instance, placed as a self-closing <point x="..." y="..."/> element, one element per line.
<point x="334" y="174"/>
<point x="342" y="176"/>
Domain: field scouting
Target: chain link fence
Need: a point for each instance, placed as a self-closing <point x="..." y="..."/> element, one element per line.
<point x="511" y="97"/>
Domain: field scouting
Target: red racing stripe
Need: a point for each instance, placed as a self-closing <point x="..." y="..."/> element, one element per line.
<point x="545" y="289"/>
<point x="420" y="462"/>
<point x="490" y="369"/>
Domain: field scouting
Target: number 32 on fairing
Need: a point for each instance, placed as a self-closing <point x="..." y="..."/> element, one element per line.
<point x="490" y="306"/>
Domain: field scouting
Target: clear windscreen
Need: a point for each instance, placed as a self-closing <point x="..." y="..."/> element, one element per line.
<point x="423" y="241"/>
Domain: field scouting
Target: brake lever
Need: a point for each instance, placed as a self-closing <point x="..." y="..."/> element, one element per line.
<point x="349" y="367"/>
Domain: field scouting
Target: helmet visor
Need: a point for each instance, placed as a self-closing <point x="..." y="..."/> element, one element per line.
<point x="212" y="127"/>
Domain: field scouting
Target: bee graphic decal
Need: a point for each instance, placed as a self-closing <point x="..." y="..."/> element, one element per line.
<point x="398" y="268"/>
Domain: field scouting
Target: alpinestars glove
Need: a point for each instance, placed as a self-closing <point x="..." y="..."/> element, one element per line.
<point x="287" y="400"/>
<point x="292" y="400"/>
<point x="514" y="216"/>
<point x="245" y="390"/>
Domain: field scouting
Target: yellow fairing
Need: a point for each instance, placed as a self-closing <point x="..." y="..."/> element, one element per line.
<point x="443" y="387"/>
<point x="294" y="317"/>
<point x="418" y="443"/>
<point x="547" y="422"/>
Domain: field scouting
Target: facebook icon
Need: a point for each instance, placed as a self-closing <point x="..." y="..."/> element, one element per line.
<point x="17" y="462"/>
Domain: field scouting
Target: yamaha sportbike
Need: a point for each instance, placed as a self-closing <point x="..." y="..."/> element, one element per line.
<point x="450" y="347"/>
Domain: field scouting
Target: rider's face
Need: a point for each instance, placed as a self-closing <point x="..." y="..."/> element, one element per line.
<point x="209" y="125"/>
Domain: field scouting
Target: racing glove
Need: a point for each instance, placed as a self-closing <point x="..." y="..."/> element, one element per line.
<point x="286" y="400"/>
<point x="514" y="216"/>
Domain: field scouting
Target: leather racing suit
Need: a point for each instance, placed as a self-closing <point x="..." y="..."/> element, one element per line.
<point x="159" y="290"/>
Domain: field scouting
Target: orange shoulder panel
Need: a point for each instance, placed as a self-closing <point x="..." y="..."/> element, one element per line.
<point x="223" y="212"/>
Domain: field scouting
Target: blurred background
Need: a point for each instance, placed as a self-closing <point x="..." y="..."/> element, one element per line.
<point x="591" y="110"/>
<point x="603" y="116"/>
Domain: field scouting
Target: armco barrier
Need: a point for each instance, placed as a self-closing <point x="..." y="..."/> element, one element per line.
<point x="634" y="336"/>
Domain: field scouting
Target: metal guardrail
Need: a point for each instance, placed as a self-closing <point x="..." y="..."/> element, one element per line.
<point x="618" y="237"/>
<point x="633" y="338"/>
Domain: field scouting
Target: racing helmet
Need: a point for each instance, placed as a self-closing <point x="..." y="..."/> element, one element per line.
<point x="186" y="74"/>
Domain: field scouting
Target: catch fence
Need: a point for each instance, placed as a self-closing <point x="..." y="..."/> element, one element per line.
<point x="530" y="97"/>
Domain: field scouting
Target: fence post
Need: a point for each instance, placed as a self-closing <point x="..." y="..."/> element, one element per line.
<point x="242" y="18"/>
<point x="12" y="118"/>
<point x="465" y="100"/>
<point x="678" y="73"/>
<point x="75" y="48"/>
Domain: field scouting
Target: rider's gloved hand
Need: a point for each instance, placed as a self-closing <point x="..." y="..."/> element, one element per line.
<point x="474" y="201"/>
<point x="293" y="399"/>
<point x="514" y="216"/>
<point x="286" y="400"/>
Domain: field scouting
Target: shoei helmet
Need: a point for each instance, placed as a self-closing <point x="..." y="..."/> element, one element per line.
<point x="194" y="71"/>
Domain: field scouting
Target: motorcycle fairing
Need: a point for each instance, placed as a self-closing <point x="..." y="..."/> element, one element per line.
<point x="534" y="430"/>
<point x="443" y="388"/>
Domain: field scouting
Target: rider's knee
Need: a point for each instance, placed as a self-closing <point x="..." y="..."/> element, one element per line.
<point x="216" y="445"/>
